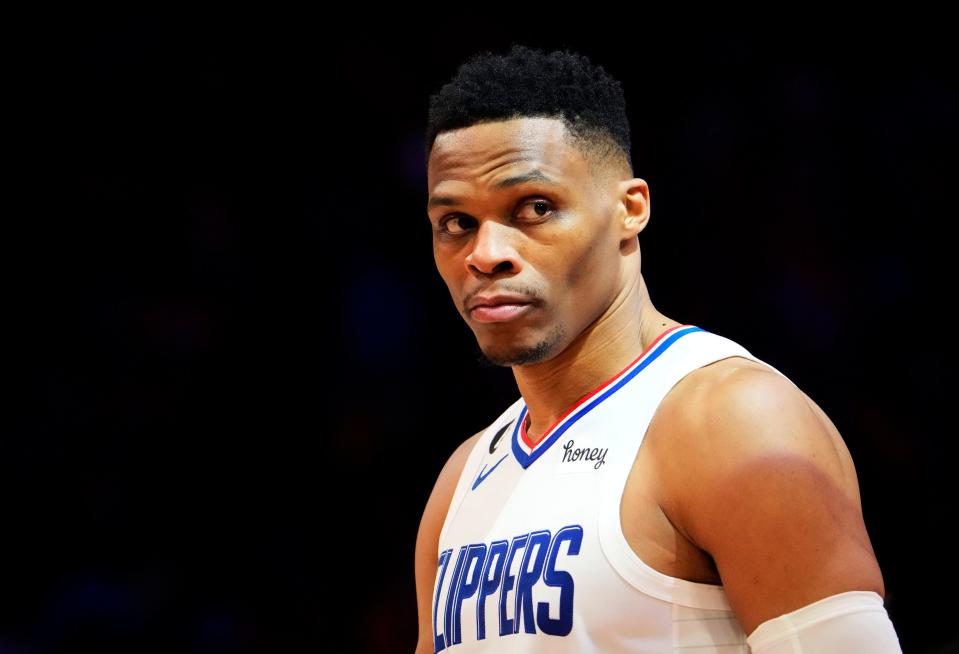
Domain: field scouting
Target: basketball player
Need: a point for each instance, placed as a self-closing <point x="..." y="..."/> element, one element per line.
<point x="655" y="487"/>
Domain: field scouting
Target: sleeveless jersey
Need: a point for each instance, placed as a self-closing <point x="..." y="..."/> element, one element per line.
<point x="532" y="555"/>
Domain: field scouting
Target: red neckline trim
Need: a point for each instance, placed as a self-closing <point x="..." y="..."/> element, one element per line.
<point x="522" y="429"/>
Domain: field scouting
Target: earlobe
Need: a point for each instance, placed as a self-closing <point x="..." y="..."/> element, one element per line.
<point x="633" y="225"/>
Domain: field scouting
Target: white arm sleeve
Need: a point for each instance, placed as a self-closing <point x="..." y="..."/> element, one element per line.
<point x="854" y="622"/>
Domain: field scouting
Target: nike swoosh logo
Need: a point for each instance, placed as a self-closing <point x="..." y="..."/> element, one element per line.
<point x="481" y="476"/>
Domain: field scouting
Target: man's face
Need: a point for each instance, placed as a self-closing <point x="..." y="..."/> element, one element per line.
<point x="515" y="211"/>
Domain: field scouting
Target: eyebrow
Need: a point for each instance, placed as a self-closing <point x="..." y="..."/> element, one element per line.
<point x="531" y="176"/>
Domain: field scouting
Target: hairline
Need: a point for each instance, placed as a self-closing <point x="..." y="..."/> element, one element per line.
<point x="599" y="165"/>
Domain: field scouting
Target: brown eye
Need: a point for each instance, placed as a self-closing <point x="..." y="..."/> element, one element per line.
<point x="453" y="219"/>
<point x="539" y="208"/>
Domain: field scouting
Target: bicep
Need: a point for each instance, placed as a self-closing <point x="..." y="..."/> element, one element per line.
<point x="774" y="509"/>
<point x="427" y="539"/>
<point x="784" y="535"/>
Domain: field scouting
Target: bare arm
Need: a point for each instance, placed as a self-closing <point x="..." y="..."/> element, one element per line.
<point x="772" y="496"/>
<point x="427" y="540"/>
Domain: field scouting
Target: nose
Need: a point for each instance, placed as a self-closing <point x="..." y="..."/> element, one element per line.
<point x="493" y="249"/>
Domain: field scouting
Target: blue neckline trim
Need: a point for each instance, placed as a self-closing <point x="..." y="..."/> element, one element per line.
<point x="526" y="460"/>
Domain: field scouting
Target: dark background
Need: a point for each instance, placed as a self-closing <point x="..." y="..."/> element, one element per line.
<point x="237" y="372"/>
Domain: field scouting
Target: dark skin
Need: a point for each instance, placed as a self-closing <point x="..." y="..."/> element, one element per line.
<point x="580" y="258"/>
<point x="741" y="479"/>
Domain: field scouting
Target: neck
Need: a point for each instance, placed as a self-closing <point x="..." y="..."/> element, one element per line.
<point x="549" y="388"/>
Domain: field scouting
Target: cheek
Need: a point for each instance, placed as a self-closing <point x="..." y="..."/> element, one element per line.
<point x="455" y="289"/>
<point x="586" y="269"/>
<point x="446" y="268"/>
<point x="445" y="273"/>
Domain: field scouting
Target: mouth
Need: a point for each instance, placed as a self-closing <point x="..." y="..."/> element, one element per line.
<point x="500" y="312"/>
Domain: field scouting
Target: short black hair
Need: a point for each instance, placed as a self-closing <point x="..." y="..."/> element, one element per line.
<point x="528" y="82"/>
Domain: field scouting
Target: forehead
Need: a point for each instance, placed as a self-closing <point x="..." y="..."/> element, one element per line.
<point x="485" y="153"/>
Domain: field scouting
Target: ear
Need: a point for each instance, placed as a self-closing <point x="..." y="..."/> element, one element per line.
<point x="634" y="206"/>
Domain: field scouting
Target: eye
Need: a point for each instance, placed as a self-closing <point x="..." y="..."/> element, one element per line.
<point x="453" y="218"/>
<point x="541" y="207"/>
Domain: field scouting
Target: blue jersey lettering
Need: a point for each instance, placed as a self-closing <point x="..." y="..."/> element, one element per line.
<point x="483" y="570"/>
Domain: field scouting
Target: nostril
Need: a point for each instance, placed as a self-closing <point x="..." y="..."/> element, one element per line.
<point x="499" y="267"/>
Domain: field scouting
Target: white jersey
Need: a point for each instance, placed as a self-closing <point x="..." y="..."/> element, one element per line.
<point x="532" y="555"/>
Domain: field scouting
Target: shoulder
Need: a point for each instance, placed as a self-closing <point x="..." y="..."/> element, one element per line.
<point x="434" y="514"/>
<point x="445" y="485"/>
<point x="732" y="412"/>
<point x="758" y="477"/>
<point x="450" y="473"/>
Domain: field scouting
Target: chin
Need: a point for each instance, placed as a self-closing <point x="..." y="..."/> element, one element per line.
<point x="511" y="353"/>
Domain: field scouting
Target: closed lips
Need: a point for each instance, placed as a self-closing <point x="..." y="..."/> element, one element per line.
<point x="498" y="300"/>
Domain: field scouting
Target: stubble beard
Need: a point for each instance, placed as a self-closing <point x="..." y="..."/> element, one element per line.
<point x="520" y="355"/>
